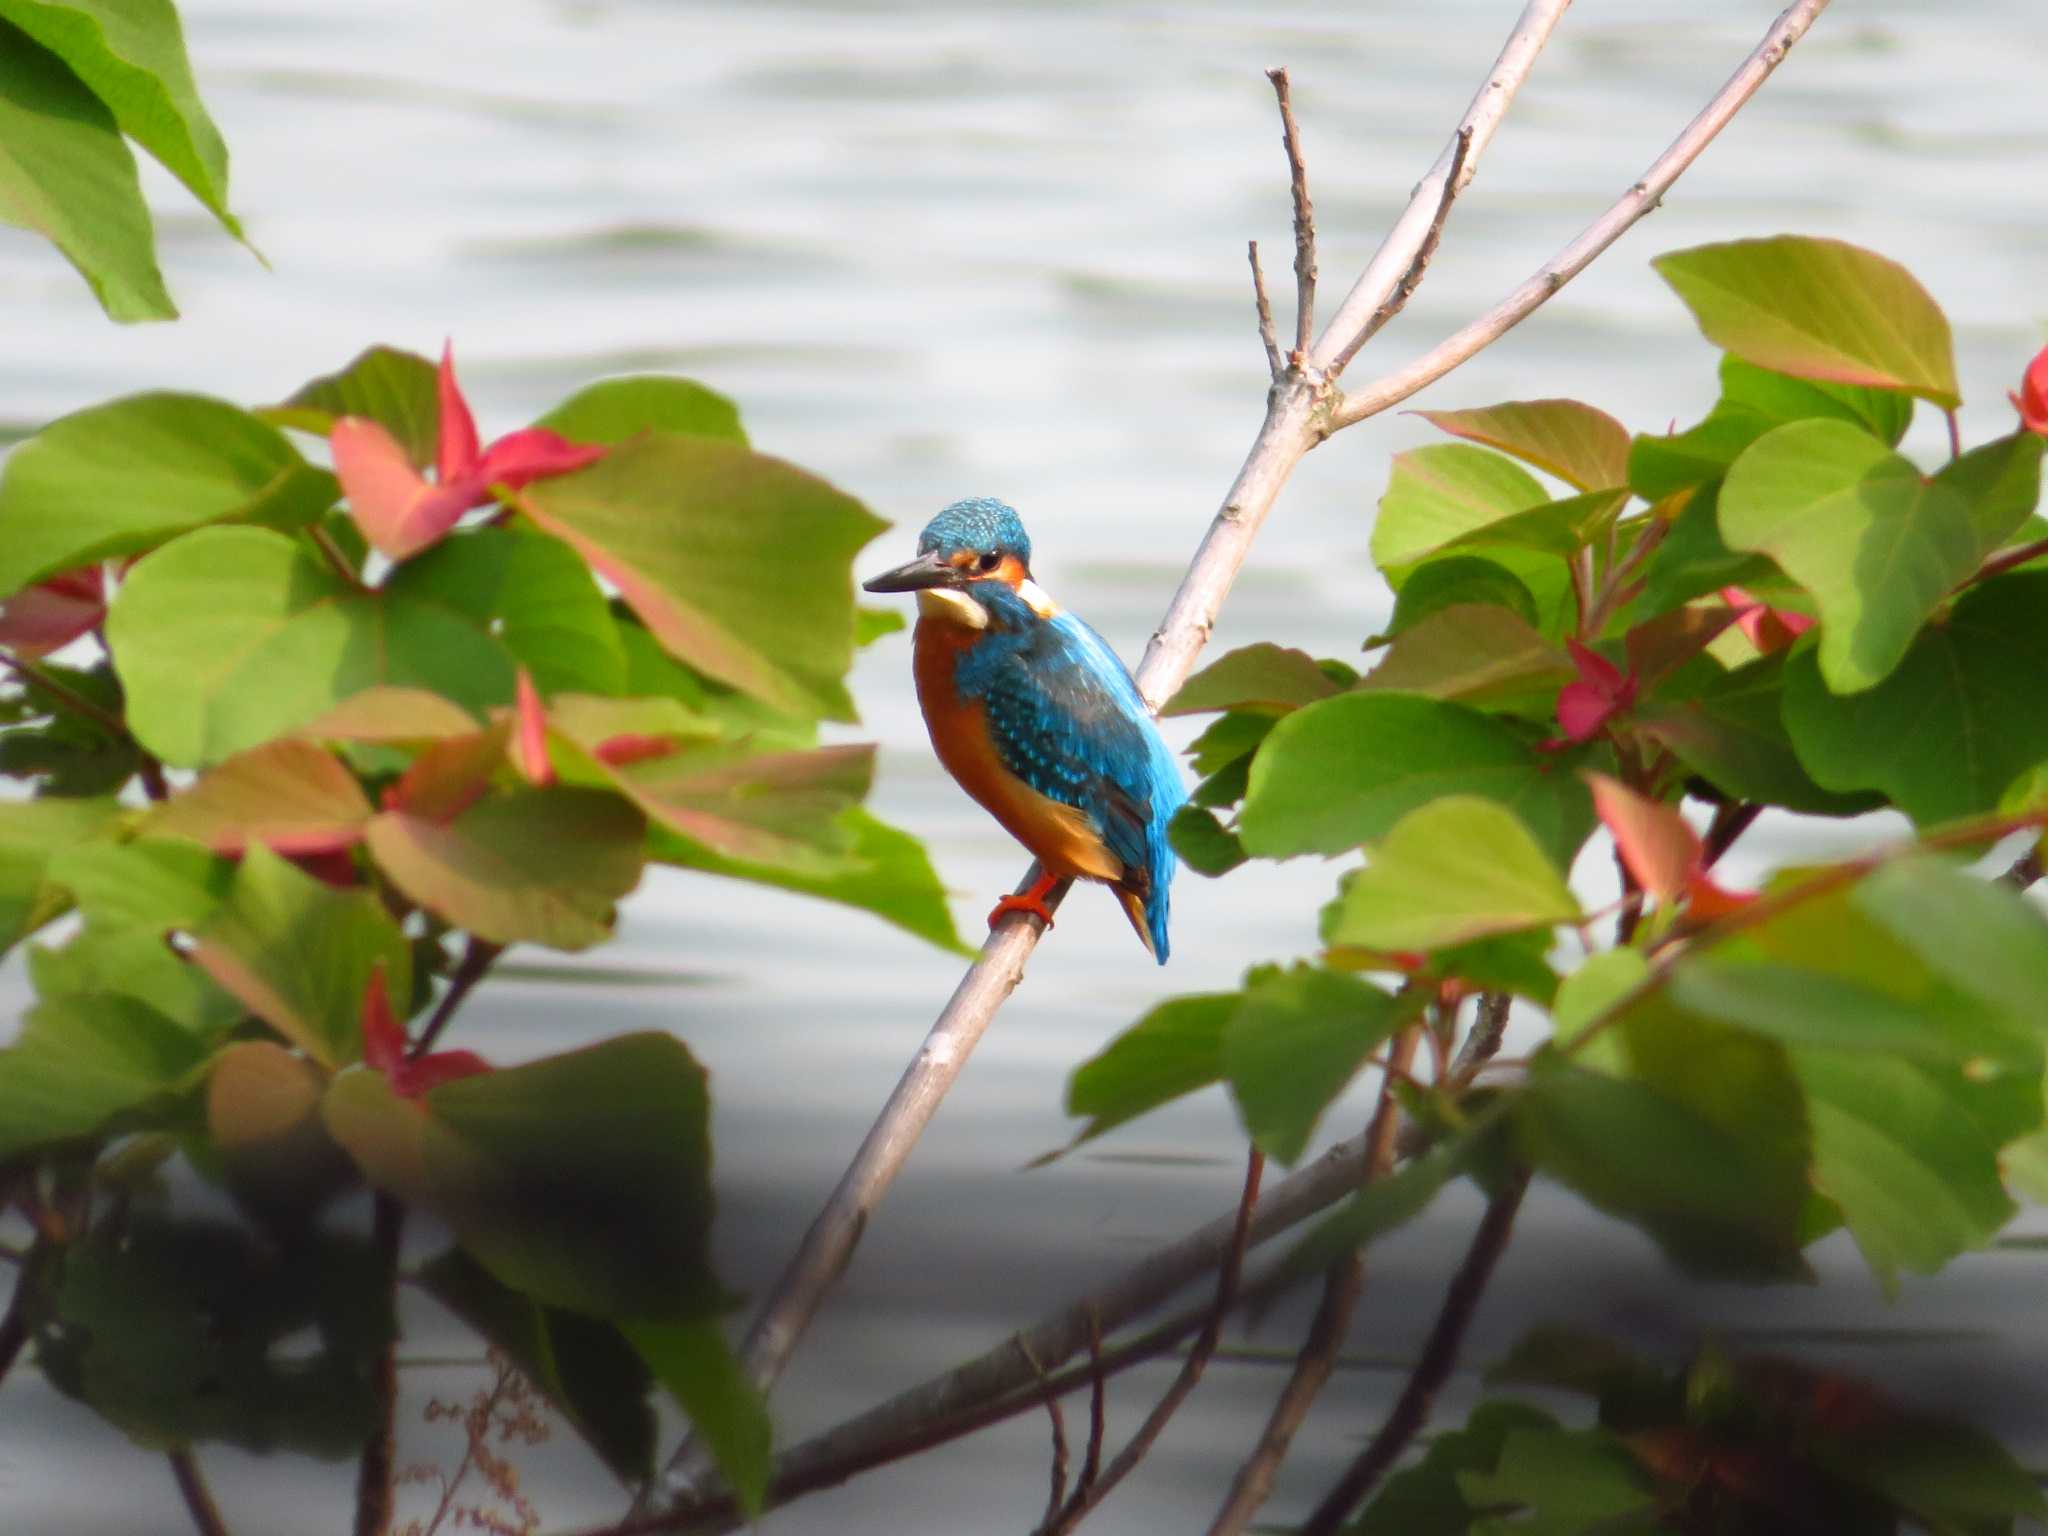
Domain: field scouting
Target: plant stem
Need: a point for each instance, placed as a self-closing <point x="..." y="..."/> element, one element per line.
<point x="478" y="956"/>
<point x="375" y="1469"/>
<point x="198" y="1499"/>
<point x="1439" y="1355"/>
<point x="65" y="695"/>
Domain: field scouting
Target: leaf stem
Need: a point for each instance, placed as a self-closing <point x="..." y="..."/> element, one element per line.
<point x="376" y="1467"/>
<point x="72" y="700"/>
<point x="198" y="1498"/>
<point x="478" y="956"/>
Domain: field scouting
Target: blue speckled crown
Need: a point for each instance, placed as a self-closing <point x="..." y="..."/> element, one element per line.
<point x="982" y="524"/>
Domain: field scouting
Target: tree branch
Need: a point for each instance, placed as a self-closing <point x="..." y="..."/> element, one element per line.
<point x="198" y="1499"/>
<point x="1439" y="1355"/>
<point x="1601" y="233"/>
<point x="1300" y="411"/>
<point x="1343" y="1283"/>
<point x="1092" y="1491"/>
<point x="1304" y="218"/>
<point x="478" y="956"/>
<point x="1275" y="363"/>
<point x="376" y="1466"/>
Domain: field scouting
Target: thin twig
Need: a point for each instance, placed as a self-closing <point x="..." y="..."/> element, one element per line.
<point x="376" y="1466"/>
<point x="1275" y="363"/>
<point x="198" y="1499"/>
<point x="1059" y="1440"/>
<point x="1732" y="818"/>
<point x="478" y="956"/>
<point x="2005" y="560"/>
<point x="1489" y="1024"/>
<point x="1091" y="1492"/>
<point x="1601" y="233"/>
<point x="1098" y="1411"/>
<point x="1955" y="435"/>
<point x="1304" y="219"/>
<point x="1439" y="1355"/>
<point x="1343" y="1282"/>
<point x="1412" y="278"/>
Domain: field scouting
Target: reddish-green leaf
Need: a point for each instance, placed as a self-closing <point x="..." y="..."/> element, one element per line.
<point x="1818" y="309"/>
<point x="1477" y="653"/>
<point x="290" y="795"/>
<point x="1438" y="494"/>
<point x="1568" y="438"/>
<point x="1264" y="676"/>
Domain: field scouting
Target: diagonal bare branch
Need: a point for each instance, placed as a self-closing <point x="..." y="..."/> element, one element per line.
<point x="1304" y="217"/>
<point x="1568" y="263"/>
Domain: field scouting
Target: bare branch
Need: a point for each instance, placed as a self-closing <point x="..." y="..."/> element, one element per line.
<point x="1342" y="1284"/>
<point x="1091" y="1492"/>
<point x="1412" y="278"/>
<point x="1601" y="233"/>
<point x="1391" y="262"/>
<point x="1275" y="363"/>
<point x="477" y="958"/>
<point x="1439" y="1355"/>
<point x="198" y="1498"/>
<point x="1488" y="1027"/>
<point x="376" y="1467"/>
<point x="1098" y="1410"/>
<point x="1058" y="1495"/>
<point x="1304" y="219"/>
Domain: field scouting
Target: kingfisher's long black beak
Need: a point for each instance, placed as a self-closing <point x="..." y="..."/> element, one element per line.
<point x="927" y="570"/>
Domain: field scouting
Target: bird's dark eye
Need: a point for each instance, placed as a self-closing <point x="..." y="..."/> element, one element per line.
<point x="988" y="562"/>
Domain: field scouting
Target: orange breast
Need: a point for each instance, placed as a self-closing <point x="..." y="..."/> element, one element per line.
<point x="1062" y="838"/>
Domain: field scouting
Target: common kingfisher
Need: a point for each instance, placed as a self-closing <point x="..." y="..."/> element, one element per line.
<point x="1030" y="710"/>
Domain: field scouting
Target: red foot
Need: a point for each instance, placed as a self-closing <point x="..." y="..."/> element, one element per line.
<point x="1032" y="901"/>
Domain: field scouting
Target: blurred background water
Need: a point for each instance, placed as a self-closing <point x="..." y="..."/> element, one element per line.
<point x="954" y="249"/>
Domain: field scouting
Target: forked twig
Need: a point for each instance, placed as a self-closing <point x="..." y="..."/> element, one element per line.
<point x="1412" y="278"/>
<point x="1439" y="1355"/>
<point x="1275" y="363"/>
<point x="1059" y="1438"/>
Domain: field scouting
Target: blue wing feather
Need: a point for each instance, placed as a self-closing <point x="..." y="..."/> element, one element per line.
<point x="1068" y="720"/>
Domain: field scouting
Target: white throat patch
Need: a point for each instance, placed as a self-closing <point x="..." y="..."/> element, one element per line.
<point x="951" y="606"/>
<point x="1040" y="600"/>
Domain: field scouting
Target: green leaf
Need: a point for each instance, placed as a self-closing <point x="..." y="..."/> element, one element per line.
<point x="396" y="389"/>
<point x="1436" y="495"/>
<point x="1204" y="844"/>
<point x="884" y="871"/>
<point x="1915" y="1174"/>
<point x="1478" y="655"/>
<point x="738" y="563"/>
<point x="693" y="1361"/>
<point x="66" y="174"/>
<point x="299" y="954"/>
<point x="613" y="410"/>
<point x="780" y="809"/>
<point x="1264" y="676"/>
<point x="1452" y="581"/>
<point x="1952" y="1476"/>
<point x="1818" y="309"/>
<point x="587" y="1368"/>
<point x="540" y="866"/>
<point x="1424" y="1499"/>
<point x="1342" y="772"/>
<point x="109" y="960"/>
<point x="230" y="636"/>
<point x="1856" y="525"/>
<point x="1952" y="726"/>
<point x="1567" y="438"/>
<point x="1559" y="1482"/>
<point x="120" y="478"/>
<point x="289" y="795"/>
<point x="533" y="593"/>
<point x="582" y="1180"/>
<point x="1172" y="1051"/>
<point x="1754" y="400"/>
<point x="157" y="886"/>
<point x="1980" y="936"/>
<point x="80" y="1061"/>
<point x="1588" y="993"/>
<point x="32" y="834"/>
<point x="1295" y="1041"/>
<point x="131" y="55"/>
<point x="871" y="624"/>
<point x="1448" y="872"/>
<point x="1381" y="1205"/>
<point x="1694" y="560"/>
<point x="1558" y="528"/>
<point x="185" y="1331"/>
<point x="263" y="1123"/>
<point x="2000" y="483"/>
<point x="1732" y="733"/>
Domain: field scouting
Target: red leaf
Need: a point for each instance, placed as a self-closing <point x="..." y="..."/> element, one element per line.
<point x="530" y="454"/>
<point x="617" y="751"/>
<point x="330" y="866"/>
<point x="1708" y="901"/>
<point x="456" y="452"/>
<point x="530" y="734"/>
<point x="398" y="512"/>
<point x="383" y="1035"/>
<point x="1601" y="693"/>
<point x="2032" y="399"/>
<point x="1769" y="629"/>
<point x="1656" y="844"/>
<point x="410" y="1079"/>
<point x="449" y="777"/>
<point x="53" y="613"/>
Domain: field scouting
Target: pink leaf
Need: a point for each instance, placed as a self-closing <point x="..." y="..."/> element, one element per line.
<point x="1656" y="844"/>
<point x="1769" y="629"/>
<point x="456" y="451"/>
<point x="617" y="751"/>
<point x="398" y="512"/>
<point x="530" y="734"/>
<point x="533" y="453"/>
<point x="383" y="1035"/>
<point x="1708" y="901"/>
<point x="1601" y="673"/>
<point x="2032" y="399"/>
<point x="414" y="1078"/>
<point x="1581" y="710"/>
<point x="53" y="613"/>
